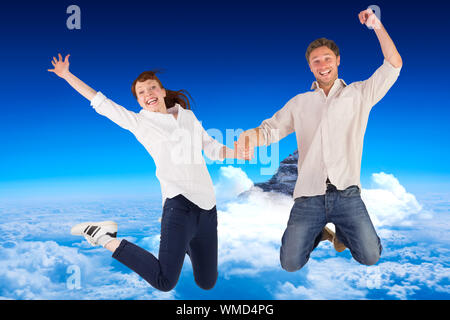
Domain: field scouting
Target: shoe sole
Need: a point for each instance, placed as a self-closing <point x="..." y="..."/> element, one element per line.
<point x="78" y="229"/>
<point x="338" y="246"/>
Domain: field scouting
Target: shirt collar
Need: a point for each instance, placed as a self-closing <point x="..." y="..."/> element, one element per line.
<point x="176" y="108"/>
<point x="315" y="84"/>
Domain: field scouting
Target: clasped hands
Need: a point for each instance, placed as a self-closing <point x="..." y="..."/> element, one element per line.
<point x="245" y="145"/>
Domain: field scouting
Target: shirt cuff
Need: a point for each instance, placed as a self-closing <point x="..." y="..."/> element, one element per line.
<point x="264" y="131"/>
<point x="215" y="152"/>
<point x="388" y="65"/>
<point x="98" y="99"/>
<point x="224" y="155"/>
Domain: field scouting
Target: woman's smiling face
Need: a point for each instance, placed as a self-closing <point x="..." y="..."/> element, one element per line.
<point x="151" y="96"/>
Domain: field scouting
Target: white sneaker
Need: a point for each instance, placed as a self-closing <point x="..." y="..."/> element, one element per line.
<point x="96" y="233"/>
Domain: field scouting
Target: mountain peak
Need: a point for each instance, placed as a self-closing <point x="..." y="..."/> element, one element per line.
<point x="284" y="179"/>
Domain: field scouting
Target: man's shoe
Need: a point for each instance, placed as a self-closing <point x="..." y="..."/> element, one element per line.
<point x="329" y="235"/>
<point x="96" y="233"/>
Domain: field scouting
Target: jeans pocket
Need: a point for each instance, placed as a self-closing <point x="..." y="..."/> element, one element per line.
<point x="352" y="191"/>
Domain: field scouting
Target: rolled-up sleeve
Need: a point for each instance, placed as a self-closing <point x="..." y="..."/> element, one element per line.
<point x="211" y="147"/>
<point x="376" y="87"/>
<point x="280" y="125"/>
<point x="116" y="113"/>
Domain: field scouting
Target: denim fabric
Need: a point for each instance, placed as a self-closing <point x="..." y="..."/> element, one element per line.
<point x="308" y="217"/>
<point x="185" y="228"/>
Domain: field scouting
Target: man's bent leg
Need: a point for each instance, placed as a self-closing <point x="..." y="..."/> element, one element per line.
<point x="354" y="227"/>
<point x="303" y="232"/>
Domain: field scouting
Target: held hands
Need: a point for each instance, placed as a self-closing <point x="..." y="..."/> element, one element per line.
<point x="245" y="146"/>
<point x="61" y="68"/>
<point x="369" y="18"/>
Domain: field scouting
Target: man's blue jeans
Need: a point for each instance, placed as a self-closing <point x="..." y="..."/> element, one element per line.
<point x="309" y="215"/>
<point x="185" y="228"/>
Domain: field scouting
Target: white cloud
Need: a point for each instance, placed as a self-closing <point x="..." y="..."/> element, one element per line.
<point x="250" y="228"/>
<point x="39" y="270"/>
<point x="414" y="277"/>
<point x="36" y="248"/>
<point x="250" y="232"/>
<point x="330" y="279"/>
<point x="232" y="182"/>
<point x="389" y="204"/>
<point x="337" y="278"/>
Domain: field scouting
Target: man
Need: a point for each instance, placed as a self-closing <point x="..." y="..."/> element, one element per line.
<point x="329" y="123"/>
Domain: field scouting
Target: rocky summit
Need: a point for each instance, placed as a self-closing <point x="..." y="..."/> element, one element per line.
<point x="284" y="179"/>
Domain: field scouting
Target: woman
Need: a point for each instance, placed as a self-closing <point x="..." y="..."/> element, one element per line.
<point x="175" y="139"/>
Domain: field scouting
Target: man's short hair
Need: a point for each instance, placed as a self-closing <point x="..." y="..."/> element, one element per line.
<point x="321" y="42"/>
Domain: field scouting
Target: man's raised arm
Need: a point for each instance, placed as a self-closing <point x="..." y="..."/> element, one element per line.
<point x="390" y="52"/>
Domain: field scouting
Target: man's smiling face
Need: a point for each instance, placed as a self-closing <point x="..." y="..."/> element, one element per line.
<point x="324" y="65"/>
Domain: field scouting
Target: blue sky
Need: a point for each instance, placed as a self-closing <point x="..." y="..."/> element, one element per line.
<point x="241" y="61"/>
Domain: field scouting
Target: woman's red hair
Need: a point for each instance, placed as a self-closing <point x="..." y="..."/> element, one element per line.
<point x="172" y="97"/>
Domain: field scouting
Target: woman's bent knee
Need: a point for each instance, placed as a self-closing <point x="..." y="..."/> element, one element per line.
<point x="206" y="284"/>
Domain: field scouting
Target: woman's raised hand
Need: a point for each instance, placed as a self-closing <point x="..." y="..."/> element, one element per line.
<point x="61" y="68"/>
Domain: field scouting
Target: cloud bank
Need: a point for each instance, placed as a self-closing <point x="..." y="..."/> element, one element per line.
<point x="251" y="228"/>
<point x="389" y="204"/>
<point x="250" y="231"/>
<point x="37" y="253"/>
<point x="37" y="250"/>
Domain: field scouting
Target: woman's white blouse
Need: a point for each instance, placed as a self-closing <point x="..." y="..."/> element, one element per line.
<point x="175" y="145"/>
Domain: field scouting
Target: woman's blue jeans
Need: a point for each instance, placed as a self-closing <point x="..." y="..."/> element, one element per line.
<point x="185" y="228"/>
<point x="346" y="210"/>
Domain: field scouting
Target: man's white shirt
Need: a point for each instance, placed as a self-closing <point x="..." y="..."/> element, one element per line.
<point x="330" y="130"/>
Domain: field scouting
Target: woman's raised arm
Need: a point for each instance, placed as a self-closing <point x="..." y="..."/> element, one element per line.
<point x="61" y="69"/>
